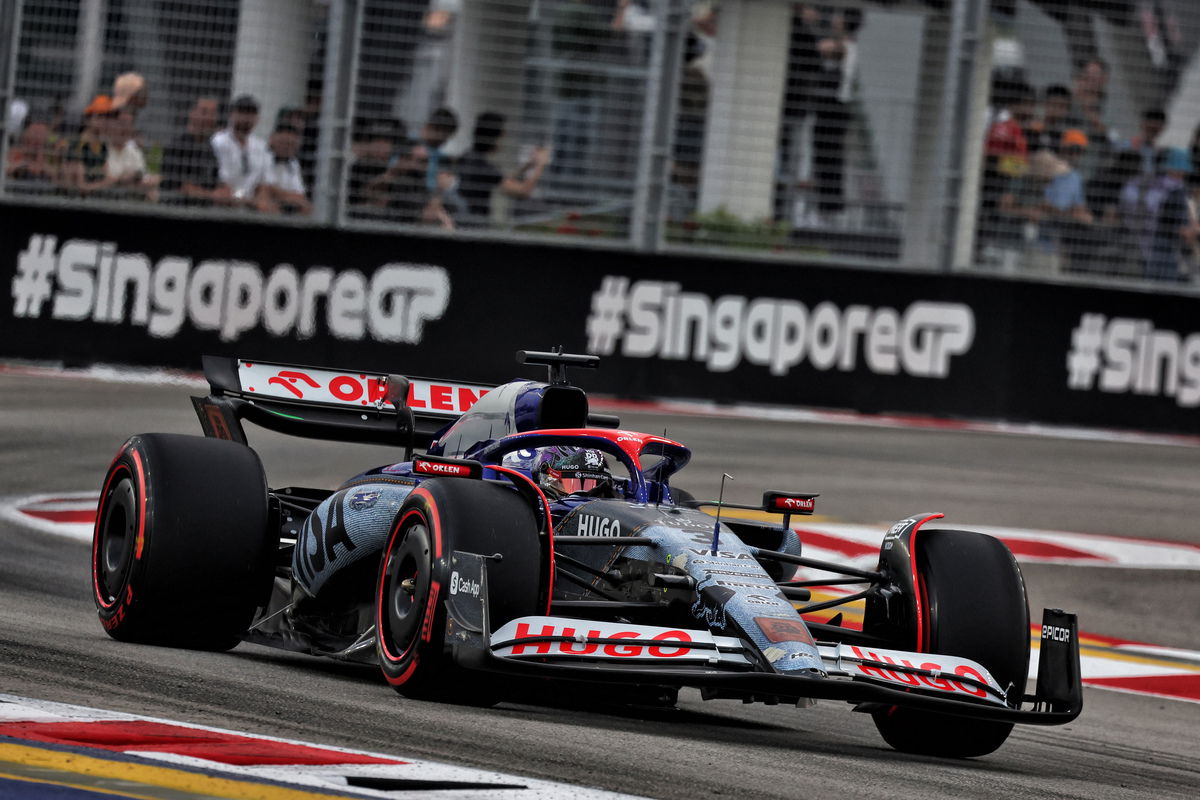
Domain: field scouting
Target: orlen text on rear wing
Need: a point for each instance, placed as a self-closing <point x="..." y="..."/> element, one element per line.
<point x="321" y="403"/>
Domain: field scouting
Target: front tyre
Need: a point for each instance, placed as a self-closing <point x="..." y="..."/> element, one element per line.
<point x="181" y="554"/>
<point x="439" y="517"/>
<point x="974" y="607"/>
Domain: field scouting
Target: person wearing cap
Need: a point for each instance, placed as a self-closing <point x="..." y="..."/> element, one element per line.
<point x="85" y="164"/>
<point x="129" y="92"/>
<point x="242" y="157"/>
<point x="1065" y="192"/>
<point x="1175" y="228"/>
<point x="1073" y="143"/>
<point x="1071" y="220"/>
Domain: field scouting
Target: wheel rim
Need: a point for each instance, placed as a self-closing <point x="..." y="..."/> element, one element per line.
<point x="118" y="535"/>
<point x="407" y="589"/>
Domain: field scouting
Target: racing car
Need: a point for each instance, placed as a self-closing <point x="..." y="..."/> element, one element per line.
<point x="524" y="536"/>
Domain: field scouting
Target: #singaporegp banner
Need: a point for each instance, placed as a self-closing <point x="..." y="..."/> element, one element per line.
<point x="85" y="286"/>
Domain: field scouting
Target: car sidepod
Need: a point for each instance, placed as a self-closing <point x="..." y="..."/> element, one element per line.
<point x="348" y="527"/>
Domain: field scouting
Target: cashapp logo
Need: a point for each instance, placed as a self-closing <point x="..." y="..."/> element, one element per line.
<point x="656" y="319"/>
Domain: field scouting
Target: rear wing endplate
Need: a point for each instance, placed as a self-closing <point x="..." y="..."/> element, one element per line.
<point x="321" y="403"/>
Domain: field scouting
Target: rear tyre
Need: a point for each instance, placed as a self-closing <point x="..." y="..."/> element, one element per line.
<point x="439" y="517"/>
<point x="975" y="608"/>
<point x="181" y="554"/>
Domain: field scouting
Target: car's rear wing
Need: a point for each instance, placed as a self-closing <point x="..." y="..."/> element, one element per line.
<point x="322" y="403"/>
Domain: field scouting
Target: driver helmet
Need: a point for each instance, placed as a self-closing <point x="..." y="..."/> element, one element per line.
<point x="561" y="471"/>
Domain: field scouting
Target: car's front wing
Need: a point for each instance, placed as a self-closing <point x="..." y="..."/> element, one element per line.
<point x="594" y="651"/>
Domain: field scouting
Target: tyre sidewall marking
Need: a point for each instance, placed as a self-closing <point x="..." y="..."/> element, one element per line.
<point x="140" y="507"/>
<point x="427" y="510"/>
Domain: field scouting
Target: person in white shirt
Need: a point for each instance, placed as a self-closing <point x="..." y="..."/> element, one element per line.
<point x="126" y="164"/>
<point x="242" y="157"/>
<point x="281" y="186"/>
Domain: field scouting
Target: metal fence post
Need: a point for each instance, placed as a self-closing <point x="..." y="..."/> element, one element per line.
<point x="966" y="36"/>
<point x="93" y="15"/>
<point x="658" y="128"/>
<point x="10" y="36"/>
<point x="340" y="79"/>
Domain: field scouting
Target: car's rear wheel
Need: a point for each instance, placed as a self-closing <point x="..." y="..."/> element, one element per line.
<point x="974" y="607"/>
<point x="440" y="517"/>
<point x="181" y="554"/>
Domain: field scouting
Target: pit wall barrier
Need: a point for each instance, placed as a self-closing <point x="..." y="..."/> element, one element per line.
<point x="89" y="286"/>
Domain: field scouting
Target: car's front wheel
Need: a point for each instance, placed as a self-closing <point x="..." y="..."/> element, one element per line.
<point x="974" y="607"/>
<point x="439" y="517"/>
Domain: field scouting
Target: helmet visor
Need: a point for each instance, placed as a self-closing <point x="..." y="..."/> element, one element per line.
<point x="577" y="485"/>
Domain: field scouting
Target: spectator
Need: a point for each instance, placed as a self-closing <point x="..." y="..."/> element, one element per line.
<point x="126" y="164"/>
<point x="14" y="123"/>
<point x="1089" y="92"/>
<point x="190" y="165"/>
<point x="310" y="134"/>
<point x="1115" y="250"/>
<point x="84" y="169"/>
<point x="1144" y="144"/>
<point x="1176" y="229"/>
<point x="281" y="187"/>
<point x="581" y="36"/>
<point x="292" y="117"/>
<point x="432" y="60"/>
<point x="633" y="16"/>
<point x="129" y="93"/>
<point x="404" y="183"/>
<point x="1194" y="179"/>
<point x="1025" y="198"/>
<point x="478" y="177"/>
<point x="31" y="157"/>
<point x="1056" y="108"/>
<point x="1001" y="232"/>
<point x="1104" y="190"/>
<point x="299" y="118"/>
<point x="1007" y="137"/>
<point x="438" y="129"/>
<point x="1025" y="204"/>
<point x="832" y="95"/>
<point x="408" y="198"/>
<point x="374" y="148"/>
<point x="692" y="112"/>
<point x="242" y="156"/>
<point x="1065" y="192"/>
<point x="1070" y="223"/>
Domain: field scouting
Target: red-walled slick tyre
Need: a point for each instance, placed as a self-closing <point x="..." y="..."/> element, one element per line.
<point x="439" y="517"/>
<point x="181" y="554"/>
<point x="974" y="606"/>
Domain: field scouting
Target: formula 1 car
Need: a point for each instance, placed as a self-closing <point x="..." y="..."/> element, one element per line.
<point x="478" y="560"/>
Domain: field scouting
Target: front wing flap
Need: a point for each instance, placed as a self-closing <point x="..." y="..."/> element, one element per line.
<point x="593" y="651"/>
